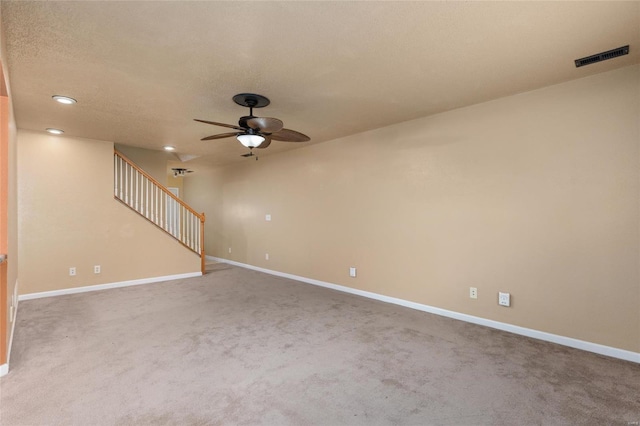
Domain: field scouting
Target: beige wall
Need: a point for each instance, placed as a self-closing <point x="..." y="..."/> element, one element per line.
<point x="68" y="217"/>
<point x="535" y="194"/>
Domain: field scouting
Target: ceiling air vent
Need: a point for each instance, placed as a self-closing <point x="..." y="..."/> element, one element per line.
<point x="609" y="54"/>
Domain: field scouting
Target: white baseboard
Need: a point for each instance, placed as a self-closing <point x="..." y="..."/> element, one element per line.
<point x="523" y="331"/>
<point x="13" y="323"/>
<point x="107" y="286"/>
<point x="4" y="368"/>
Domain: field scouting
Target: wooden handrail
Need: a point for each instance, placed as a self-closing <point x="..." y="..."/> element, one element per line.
<point x="161" y="186"/>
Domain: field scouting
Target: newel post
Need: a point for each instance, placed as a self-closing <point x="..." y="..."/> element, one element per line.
<point x="202" y="262"/>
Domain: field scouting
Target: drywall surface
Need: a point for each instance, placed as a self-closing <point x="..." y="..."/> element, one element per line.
<point x="535" y="194"/>
<point x="69" y="218"/>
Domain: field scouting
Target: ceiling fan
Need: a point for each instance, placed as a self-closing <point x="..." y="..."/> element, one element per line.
<point x="178" y="171"/>
<point x="256" y="132"/>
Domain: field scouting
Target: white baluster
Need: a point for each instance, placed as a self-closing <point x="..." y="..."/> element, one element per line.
<point x="126" y="183"/>
<point x="131" y="185"/>
<point x="168" y="210"/>
<point x="137" y="191"/>
<point x="179" y="221"/>
<point x="154" y="205"/>
<point x="146" y="190"/>
<point x="115" y="175"/>
<point x="120" y="172"/>
<point x="159" y="208"/>
<point x="134" y="196"/>
<point x="198" y="236"/>
<point x="163" y="211"/>
<point x="189" y="222"/>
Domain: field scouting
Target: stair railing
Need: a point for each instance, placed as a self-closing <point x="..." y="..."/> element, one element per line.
<point x="139" y="191"/>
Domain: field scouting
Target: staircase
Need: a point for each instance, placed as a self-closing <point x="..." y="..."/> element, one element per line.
<point x="153" y="201"/>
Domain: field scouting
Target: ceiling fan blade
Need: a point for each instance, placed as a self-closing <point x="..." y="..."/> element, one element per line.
<point x="231" y="126"/>
<point x="265" y="124"/>
<point x="287" y="135"/>
<point x="266" y="143"/>
<point x="219" y="136"/>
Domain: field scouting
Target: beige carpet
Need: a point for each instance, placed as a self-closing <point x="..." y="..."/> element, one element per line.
<point x="241" y="347"/>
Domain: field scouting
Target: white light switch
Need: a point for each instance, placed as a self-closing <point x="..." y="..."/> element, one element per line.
<point x="267" y="218"/>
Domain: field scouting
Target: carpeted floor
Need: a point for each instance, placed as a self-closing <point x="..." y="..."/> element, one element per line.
<point x="241" y="347"/>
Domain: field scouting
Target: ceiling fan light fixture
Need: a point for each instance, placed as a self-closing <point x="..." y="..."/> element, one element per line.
<point x="64" y="99"/>
<point x="250" y="140"/>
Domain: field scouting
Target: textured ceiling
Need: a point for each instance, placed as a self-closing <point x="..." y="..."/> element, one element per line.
<point x="142" y="71"/>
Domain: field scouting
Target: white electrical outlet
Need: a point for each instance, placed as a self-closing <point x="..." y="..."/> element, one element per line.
<point x="352" y="272"/>
<point x="229" y="250"/>
<point x="473" y="292"/>
<point x="267" y="217"/>
<point x="266" y="256"/>
<point x="72" y="271"/>
<point x="504" y="299"/>
<point x="96" y="269"/>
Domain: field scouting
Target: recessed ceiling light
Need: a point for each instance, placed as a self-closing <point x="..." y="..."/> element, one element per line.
<point x="55" y="131"/>
<point x="169" y="148"/>
<point x="64" y="99"/>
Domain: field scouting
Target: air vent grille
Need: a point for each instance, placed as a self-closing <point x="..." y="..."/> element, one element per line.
<point x="609" y="54"/>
